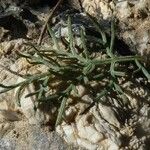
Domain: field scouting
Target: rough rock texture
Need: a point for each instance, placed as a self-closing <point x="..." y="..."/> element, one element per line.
<point x="107" y="127"/>
<point x="21" y="126"/>
<point x="104" y="126"/>
<point x="25" y="137"/>
<point x="18" y="25"/>
<point x="133" y="17"/>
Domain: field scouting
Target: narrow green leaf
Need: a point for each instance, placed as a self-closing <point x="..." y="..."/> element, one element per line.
<point x="32" y="94"/>
<point x="112" y="38"/>
<point x="85" y="51"/>
<point x="48" y="98"/>
<point x="144" y="70"/>
<point x="53" y="37"/>
<point x="40" y="93"/>
<point x="75" y="90"/>
<point x="8" y="88"/>
<point x="88" y="69"/>
<point x="20" y="92"/>
<point x="71" y="36"/>
<point x="115" y="73"/>
<point x="98" y="76"/>
<point x="25" y="55"/>
<point x="119" y="73"/>
<point x="68" y="90"/>
<point x="61" y="111"/>
<point x="97" y="26"/>
<point x="116" y="59"/>
<point x="85" y="79"/>
<point x="121" y="93"/>
<point x="46" y="80"/>
<point x="112" y="68"/>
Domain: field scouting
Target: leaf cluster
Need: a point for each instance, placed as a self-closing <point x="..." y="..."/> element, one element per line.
<point x="73" y="67"/>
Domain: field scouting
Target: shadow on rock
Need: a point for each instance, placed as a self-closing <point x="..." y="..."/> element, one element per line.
<point x="16" y="27"/>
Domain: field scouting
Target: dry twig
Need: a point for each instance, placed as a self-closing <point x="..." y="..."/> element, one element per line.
<point x="47" y="20"/>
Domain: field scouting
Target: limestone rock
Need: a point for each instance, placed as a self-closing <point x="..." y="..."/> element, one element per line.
<point x="109" y="115"/>
<point x="27" y="105"/>
<point x="9" y="115"/>
<point x="133" y="17"/>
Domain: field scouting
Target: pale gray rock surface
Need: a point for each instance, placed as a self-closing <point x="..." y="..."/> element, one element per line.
<point x="133" y="19"/>
<point x="34" y="138"/>
<point x="102" y="126"/>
